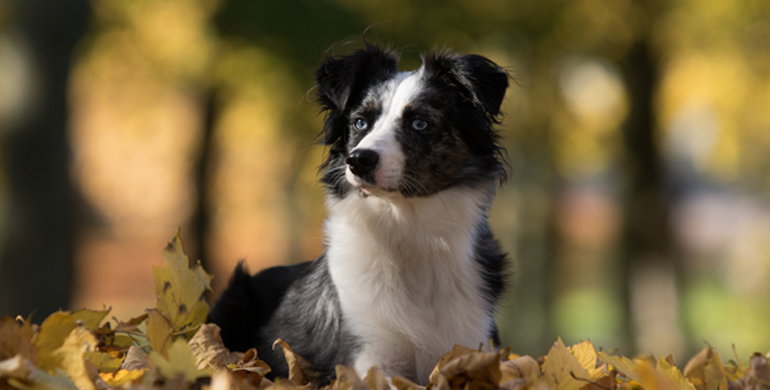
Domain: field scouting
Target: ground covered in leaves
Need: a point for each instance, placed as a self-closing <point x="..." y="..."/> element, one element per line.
<point x="170" y="347"/>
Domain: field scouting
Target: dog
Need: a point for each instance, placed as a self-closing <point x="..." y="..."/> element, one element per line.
<point x="411" y="267"/>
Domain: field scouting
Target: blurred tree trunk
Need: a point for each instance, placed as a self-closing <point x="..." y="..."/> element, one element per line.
<point x="36" y="263"/>
<point x="648" y="274"/>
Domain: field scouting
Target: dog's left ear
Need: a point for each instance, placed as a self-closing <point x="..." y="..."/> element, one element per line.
<point x="485" y="80"/>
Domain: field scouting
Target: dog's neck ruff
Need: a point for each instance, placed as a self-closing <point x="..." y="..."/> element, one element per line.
<point x="406" y="275"/>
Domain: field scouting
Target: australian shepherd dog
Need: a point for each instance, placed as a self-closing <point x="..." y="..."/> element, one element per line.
<point x="411" y="267"/>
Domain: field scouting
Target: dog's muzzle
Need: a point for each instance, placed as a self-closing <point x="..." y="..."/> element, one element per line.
<point x="362" y="161"/>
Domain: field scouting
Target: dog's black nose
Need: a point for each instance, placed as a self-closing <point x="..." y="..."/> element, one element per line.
<point x="362" y="161"/>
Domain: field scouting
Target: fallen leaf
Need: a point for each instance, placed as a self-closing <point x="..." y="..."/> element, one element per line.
<point x="622" y="365"/>
<point x="562" y="371"/>
<point x="375" y="379"/>
<point x="209" y="349"/>
<point x="348" y="379"/>
<point x="104" y="362"/>
<point x="585" y="353"/>
<point x="180" y="287"/>
<point x="705" y="371"/>
<point x="758" y="376"/>
<point x="16" y="339"/>
<point x="158" y="332"/>
<point x="457" y="351"/>
<point x="524" y="367"/>
<point x="179" y="364"/>
<point x="672" y="373"/>
<point x="135" y="360"/>
<point x="479" y="370"/>
<point x="401" y="383"/>
<point x="250" y="362"/>
<point x="90" y="318"/>
<point x="301" y="372"/>
<point x="53" y="331"/>
<point x="123" y="377"/>
<point x="70" y="357"/>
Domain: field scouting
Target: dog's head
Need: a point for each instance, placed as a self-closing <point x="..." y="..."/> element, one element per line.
<point x="410" y="133"/>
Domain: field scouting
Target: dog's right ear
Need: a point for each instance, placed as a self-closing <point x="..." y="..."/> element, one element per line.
<point x="343" y="81"/>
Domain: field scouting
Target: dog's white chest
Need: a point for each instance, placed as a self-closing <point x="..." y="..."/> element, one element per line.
<point x="408" y="284"/>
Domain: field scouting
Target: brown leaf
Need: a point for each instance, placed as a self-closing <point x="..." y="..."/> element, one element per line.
<point x="209" y="349"/>
<point x="524" y="367"/>
<point x="135" y="360"/>
<point x="457" y="351"/>
<point x="16" y="339"/>
<point x="375" y="379"/>
<point x="758" y="376"/>
<point x="301" y="372"/>
<point x="348" y="379"/>
<point x="132" y="326"/>
<point x="705" y="371"/>
<point x="479" y="370"/>
<point x="401" y="383"/>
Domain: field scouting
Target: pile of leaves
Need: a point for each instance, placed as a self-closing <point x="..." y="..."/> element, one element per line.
<point x="171" y="347"/>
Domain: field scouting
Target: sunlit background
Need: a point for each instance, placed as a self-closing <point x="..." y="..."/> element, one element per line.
<point x="637" y="212"/>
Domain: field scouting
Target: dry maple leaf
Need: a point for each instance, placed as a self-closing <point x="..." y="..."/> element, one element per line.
<point x="209" y="349"/>
<point x="301" y="372"/>
<point x="524" y="367"/>
<point x="457" y="351"/>
<point x="705" y="371"/>
<point x="180" y="287"/>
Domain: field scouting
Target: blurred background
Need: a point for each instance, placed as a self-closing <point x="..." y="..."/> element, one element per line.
<point x="637" y="212"/>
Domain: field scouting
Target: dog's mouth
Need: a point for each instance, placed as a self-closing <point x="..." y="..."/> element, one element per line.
<point x="367" y="186"/>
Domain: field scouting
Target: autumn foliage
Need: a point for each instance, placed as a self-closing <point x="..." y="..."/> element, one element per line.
<point x="170" y="347"/>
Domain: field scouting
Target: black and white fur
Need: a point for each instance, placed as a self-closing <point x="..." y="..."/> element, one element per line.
<point x="411" y="267"/>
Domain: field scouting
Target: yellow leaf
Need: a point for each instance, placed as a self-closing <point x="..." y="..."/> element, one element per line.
<point x="53" y="331"/>
<point x="621" y="364"/>
<point x="90" y="318"/>
<point x="122" y="377"/>
<point x="158" y="332"/>
<point x="671" y="373"/>
<point x="103" y="361"/>
<point x="180" y="363"/>
<point x="180" y="288"/>
<point x="585" y="353"/>
<point x="562" y="370"/>
<point x="70" y="357"/>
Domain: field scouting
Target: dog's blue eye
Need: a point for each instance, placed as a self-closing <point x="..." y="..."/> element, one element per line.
<point x="361" y="124"/>
<point x="419" y="124"/>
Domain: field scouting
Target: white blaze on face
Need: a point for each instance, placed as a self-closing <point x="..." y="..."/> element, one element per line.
<point x="382" y="138"/>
